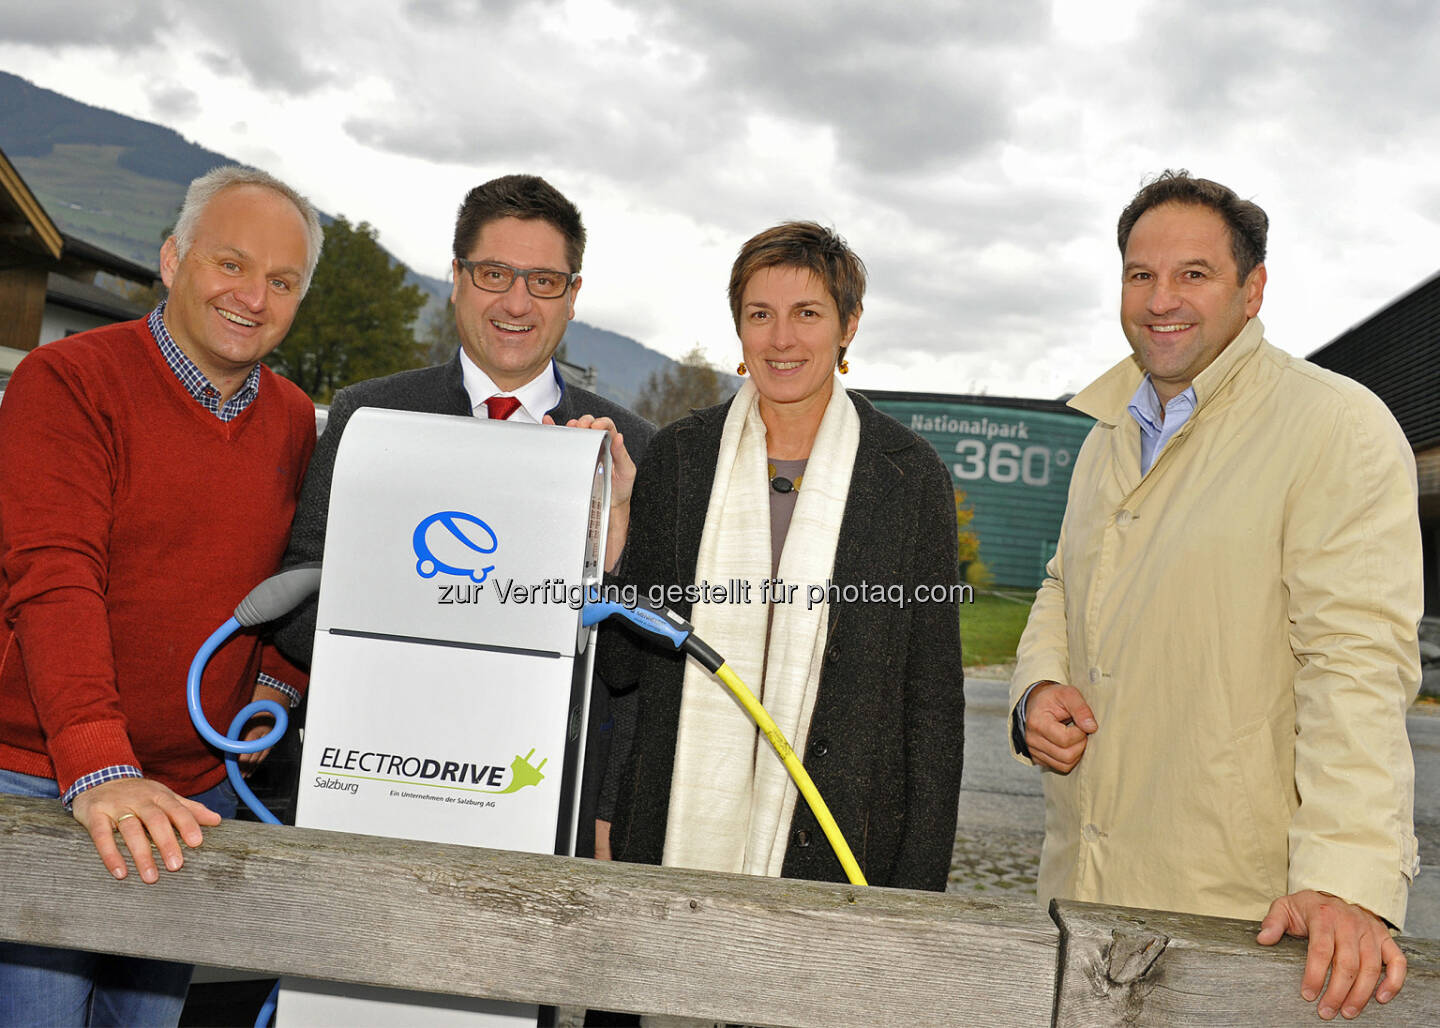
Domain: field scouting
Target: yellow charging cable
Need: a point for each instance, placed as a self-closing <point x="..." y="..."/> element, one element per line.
<point x="771" y="731"/>
<point x="663" y="624"/>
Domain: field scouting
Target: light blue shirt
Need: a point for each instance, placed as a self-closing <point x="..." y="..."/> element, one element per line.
<point x="1155" y="430"/>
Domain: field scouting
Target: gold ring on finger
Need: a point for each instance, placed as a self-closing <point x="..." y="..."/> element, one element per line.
<point x="122" y="817"/>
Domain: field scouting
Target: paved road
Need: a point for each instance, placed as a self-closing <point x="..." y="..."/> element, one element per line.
<point x="1002" y="814"/>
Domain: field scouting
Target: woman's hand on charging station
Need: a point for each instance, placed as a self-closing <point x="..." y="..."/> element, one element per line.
<point x="622" y="483"/>
<point x="141" y="810"/>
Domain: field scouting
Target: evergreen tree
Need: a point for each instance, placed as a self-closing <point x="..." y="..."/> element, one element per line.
<point x="356" y="322"/>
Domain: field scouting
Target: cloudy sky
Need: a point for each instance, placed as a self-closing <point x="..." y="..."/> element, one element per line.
<point x="975" y="154"/>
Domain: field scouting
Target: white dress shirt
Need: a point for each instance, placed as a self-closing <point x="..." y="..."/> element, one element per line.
<point x="537" y="397"/>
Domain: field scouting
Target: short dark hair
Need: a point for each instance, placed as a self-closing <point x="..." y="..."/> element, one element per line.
<point x="527" y="197"/>
<point x="802" y="244"/>
<point x="1248" y="224"/>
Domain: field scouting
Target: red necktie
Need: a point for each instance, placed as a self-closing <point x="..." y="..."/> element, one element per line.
<point x="501" y="407"/>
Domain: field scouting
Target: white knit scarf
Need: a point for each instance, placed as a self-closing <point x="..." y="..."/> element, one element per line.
<point x="731" y="800"/>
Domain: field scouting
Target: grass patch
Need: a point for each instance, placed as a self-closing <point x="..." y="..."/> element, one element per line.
<point x="990" y="627"/>
<point x="89" y="195"/>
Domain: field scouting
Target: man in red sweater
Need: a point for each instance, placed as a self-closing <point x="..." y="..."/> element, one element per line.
<point x="150" y="471"/>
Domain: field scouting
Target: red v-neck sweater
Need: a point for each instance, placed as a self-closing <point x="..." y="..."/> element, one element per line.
<point x="132" y="520"/>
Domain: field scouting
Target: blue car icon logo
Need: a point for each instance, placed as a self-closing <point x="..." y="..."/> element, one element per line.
<point x="467" y="530"/>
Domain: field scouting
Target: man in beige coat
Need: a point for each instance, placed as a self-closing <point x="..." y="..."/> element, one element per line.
<point x="1217" y="667"/>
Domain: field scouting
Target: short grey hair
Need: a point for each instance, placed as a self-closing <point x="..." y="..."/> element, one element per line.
<point x="209" y="185"/>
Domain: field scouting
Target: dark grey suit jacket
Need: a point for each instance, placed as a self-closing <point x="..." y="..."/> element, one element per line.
<point x="887" y="734"/>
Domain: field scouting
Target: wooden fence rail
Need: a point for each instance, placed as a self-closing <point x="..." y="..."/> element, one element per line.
<point x="552" y="930"/>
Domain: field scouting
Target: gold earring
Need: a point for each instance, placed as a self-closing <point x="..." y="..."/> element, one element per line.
<point x="844" y="366"/>
<point x="740" y="368"/>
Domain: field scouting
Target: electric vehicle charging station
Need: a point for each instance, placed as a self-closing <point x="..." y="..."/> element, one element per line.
<point x="450" y="681"/>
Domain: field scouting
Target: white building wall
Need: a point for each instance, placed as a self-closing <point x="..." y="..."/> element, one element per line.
<point x="59" y="322"/>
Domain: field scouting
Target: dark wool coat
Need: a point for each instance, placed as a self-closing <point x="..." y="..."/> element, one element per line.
<point x="886" y="738"/>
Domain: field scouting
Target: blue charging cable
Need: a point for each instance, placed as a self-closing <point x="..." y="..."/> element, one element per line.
<point x="230" y="743"/>
<point x="273" y="597"/>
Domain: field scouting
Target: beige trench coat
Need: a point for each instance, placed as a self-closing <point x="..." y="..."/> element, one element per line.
<point x="1242" y="620"/>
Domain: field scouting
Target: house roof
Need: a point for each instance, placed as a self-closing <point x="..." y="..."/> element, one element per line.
<point x="24" y="225"/>
<point x="1395" y="353"/>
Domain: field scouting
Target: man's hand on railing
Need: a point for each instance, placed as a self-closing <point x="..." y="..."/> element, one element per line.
<point x="141" y="809"/>
<point x="1345" y="939"/>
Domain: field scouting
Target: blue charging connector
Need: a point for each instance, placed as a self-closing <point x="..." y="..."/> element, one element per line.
<point x="658" y="624"/>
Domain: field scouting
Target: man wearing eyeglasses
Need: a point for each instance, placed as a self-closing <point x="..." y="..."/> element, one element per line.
<point x="517" y="253"/>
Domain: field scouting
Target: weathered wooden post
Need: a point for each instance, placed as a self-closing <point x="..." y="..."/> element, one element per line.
<point x="1121" y="966"/>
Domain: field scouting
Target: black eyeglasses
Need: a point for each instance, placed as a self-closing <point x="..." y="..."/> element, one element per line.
<point x="494" y="277"/>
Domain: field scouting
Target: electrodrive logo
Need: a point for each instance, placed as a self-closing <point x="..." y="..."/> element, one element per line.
<point x="459" y="535"/>
<point x="407" y="769"/>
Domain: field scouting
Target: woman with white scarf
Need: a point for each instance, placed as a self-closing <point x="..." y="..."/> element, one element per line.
<point x="825" y="532"/>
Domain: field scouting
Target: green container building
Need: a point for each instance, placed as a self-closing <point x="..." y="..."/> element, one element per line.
<point x="1012" y="457"/>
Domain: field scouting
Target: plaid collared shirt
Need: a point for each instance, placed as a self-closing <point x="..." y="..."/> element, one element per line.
<point x="194" y="380"/>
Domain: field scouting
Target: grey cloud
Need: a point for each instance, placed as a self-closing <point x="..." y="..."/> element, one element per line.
<point x="888" y="114"/>
<point x="220" y="64"/>
<point x="1030" y="217"/>
<point x="1024" y="356"/>
<point x="276" y="60"/>
<point x="171" y="100"/>
<point x="434" y="11"/>
<point x="1385" y="64"/>
<point x="834" y="28"/>
<point x="69" y="22"/>
<point x="616" y="126"/>
<point x="936" y="308"/>
<point x="466" y="12"/>
<point x="283" y="72"/>
<point x="509" y="135"/>
<point x="946" y="280"/>
<point x="272" y="59"/>
<point x="1338" y="73"/>
<point x="680" y="109"/>
<point x="855" y="66"/>
<point x="1428" y="205"/>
